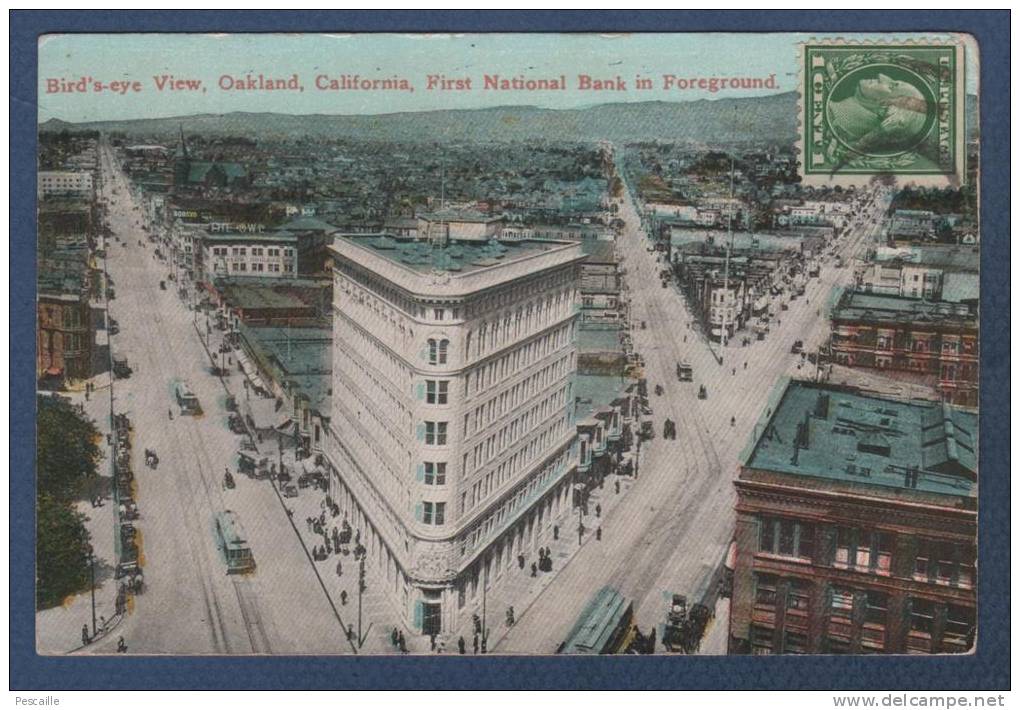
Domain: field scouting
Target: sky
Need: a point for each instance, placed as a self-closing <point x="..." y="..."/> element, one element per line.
<point x="139" y="58"/>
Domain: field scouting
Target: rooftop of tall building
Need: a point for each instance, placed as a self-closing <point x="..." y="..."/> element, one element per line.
<point x="457" y="267"/>
<point x="850" y="439"/>
<point x="881" y="308"/>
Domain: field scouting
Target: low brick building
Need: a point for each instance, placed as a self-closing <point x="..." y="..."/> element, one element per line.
<point x="938" y="340"/>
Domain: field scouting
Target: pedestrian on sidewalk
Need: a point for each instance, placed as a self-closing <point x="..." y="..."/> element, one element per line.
<point x="556" y="528"/>
<point x="461" y="646"/>
<point x="102" y="624"/>
<point x="475" y="643"/>
<point x="432" y="642"/>
<point x="617" y="486"/>
<point x="598" y="510"/>
<point x="393" y="636"/>
<point x="84" y="634"/>
<point x="339" y="568"/>
<point x="534" y="570"/>
<point x="121" y="645"/>
<point x="598" y="533"/>
<point x="520" y="561"/>
<point x="343" y="597"/>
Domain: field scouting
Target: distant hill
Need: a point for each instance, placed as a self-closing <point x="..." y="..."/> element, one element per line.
<point x="768" y="118"/>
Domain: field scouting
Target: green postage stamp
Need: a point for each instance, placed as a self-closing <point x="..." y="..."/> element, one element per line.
<point x="883" y="109"/>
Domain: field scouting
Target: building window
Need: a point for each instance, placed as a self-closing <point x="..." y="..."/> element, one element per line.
<point x="795" y="643"/>
<point x="435" y="473"/>
<point x="761" y="641"/>
<point x="958" y="635"/>
<point x="842" y="602"/>
<point x="435" y="433"/>
<point x="789" y="538"/>
<point x="863" y="550"/>
<point x="945" y="563"/>
<point x="433" y="513"/>
<point x="438" y="313"/>
<point x="438" y="350"/>
<point x="436" y="391"/>
<point x="765" y="590"/>
<point x="922" y="616"/>
<point x="798" y="598"/>
<point x="877" y="608"/>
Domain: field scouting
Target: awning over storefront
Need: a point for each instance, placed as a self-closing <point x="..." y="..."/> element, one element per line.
<point x="250" y="371"/>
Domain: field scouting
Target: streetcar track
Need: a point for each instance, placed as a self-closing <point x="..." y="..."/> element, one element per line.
<point x="217" y="628"/>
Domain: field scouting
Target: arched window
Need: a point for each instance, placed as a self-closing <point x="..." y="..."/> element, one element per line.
<point x="433" y="351"/>
<point x="444" y="346"/>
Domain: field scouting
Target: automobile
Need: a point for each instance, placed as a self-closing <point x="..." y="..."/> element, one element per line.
<point x="797" y="347"/>
<point x="121" y="368"/>
<point x="290" y="491"/>
<point x="114" y="327"/>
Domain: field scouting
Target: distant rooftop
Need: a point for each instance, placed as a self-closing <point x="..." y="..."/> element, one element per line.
<point x="309" y="224"/>
<point x="592" y="392"/>
<point x="260" y="296"/>
<point x="278" y="236"/>
<point x="841" y="435"/>
<point x="301" y="355"/>
<point x="459" y="216"/>
<point x="881" y="308"/>
<point x="599" y="251"/>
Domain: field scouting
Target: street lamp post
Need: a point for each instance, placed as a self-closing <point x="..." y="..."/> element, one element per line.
<point x="580" y="524"/>
<point x="92" y="576"/>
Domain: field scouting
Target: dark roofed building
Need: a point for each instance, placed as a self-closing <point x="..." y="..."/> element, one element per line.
<point x="934" y="339"/>
<point x="856" y="527"/>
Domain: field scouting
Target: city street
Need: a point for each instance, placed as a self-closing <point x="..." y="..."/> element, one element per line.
<point x="671" y="532"/>
<point x="190" y="604"/>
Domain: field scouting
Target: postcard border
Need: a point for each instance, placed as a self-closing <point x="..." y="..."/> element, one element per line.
<point x="986" y="668"/>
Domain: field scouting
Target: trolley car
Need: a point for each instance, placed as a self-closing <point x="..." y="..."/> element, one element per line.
<point x="234" y="543"/>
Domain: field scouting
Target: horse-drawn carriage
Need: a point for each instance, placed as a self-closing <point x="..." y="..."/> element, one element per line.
<point x="252" y="464"/>
<point x="151" y="459"/>
<point x="684" y="627"/>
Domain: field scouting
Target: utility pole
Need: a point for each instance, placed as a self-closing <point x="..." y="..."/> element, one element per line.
<point x="361" y="589"/>
<point x="92" y="574"/>
<point x="726" y="267"/>
<point x="485" y="588"/>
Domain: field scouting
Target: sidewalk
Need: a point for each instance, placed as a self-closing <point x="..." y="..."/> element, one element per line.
<point x="514" y="586"/>
<point x="58" y="629"/>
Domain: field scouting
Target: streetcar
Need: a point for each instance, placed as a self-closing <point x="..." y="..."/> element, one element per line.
<point x="605" y="626"/>
<point x="186" y="399"/>
<point x="234" y="543"/>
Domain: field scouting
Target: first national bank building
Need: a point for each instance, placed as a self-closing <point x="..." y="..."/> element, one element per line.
<point x="452" y="439"/>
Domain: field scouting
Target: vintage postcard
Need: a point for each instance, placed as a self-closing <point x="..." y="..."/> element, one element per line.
<point x="507" y="344"/>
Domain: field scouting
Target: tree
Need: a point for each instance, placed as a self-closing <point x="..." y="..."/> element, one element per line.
<point x="61" y="560"/>
<point x="67" y="450"/>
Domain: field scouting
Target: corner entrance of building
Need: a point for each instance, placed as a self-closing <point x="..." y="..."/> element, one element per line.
<point x="432" y="622"/>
